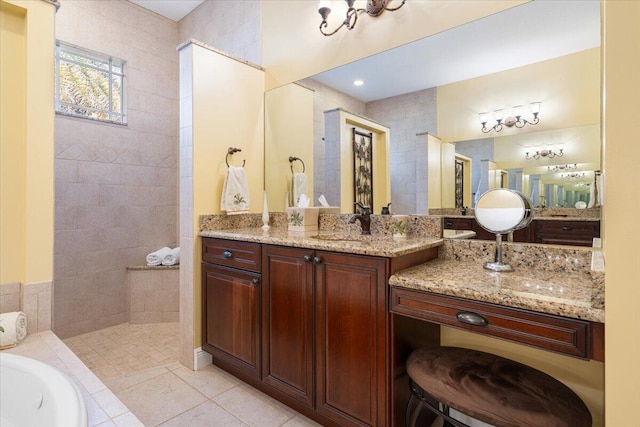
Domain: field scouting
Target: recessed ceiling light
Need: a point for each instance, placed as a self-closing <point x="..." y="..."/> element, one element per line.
<point x="358" y="82"/>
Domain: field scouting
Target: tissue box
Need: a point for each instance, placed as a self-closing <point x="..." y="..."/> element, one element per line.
<point x="329" y="209"/>
<point x="302" y="219"/>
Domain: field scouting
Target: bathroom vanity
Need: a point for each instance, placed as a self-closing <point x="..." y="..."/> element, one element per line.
<point x="550" y="230"/>
<point x="324" y="323"/>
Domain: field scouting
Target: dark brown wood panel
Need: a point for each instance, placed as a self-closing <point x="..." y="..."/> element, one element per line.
<point x="351" y="320"/>
<point x="288" y="321"/>
<point x="458" y="223"/>
<point x="244" y="255"/>
<point x="231" y="316"/>
<point x="555" y="333"/>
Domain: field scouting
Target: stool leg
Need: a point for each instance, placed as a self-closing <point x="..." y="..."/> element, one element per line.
<point x="412" y="414"/>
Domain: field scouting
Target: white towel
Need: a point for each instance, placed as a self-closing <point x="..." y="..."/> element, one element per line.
<point x="235" y="192"/>
<point x="299" y="186"/>
<point x="15" y="329"/>
<point x="155" y="258"/>
<point x="172" y="258"/>
<point x="592" y="195"/>
<point x="599" y="189"/>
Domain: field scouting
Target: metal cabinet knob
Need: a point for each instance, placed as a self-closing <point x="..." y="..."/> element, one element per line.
<point x="255" y="281"/>
<point x="227" y="254"/>
<point x="306" y="258"/>
<point x="317" y="260"/>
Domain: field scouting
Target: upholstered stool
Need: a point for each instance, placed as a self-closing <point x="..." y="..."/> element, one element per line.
<point x="491" y="389"/>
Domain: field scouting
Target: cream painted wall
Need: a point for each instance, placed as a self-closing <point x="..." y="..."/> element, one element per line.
<point x="309" y="53"/>
<point x="568" y="87"/>
<point x="12" y="141"/>
<point x="622" y="241"/>
<point x="34" y="244"/>
<point x="227" y="112"/>
<point x="288" y="132"/>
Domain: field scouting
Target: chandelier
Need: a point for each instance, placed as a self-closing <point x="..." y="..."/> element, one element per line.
<point x="510" y="121"/>
<point x="374" y="8"/>
<point x="545" y="154"/>
<point x="572" y="175"/>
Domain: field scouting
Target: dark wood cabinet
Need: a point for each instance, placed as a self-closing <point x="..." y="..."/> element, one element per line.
<point x="351" y="317"/>
<point x="551" y="231"/>
<point x="231" y="306"/>
<point x="308" y="327"/>
<point x="288" y="322"/>
<point x="559" y="232"/>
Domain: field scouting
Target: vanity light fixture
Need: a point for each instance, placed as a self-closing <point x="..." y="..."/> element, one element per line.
<point x="544" y="153"/>
<point x="510" y="121"/>
<point x="374" y="8"/>
<point x="572" y="175"/>
<point x="560" y="168"/>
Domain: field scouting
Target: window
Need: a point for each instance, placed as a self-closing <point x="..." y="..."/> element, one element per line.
<point x="90" y="84"/>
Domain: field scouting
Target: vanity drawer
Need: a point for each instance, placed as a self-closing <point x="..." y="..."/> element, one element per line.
<point x="555" y="333"/>
<point x="231" y="253"/>
<point x="458" y="223"/>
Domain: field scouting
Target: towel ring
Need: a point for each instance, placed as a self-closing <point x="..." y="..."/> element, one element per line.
<point x="231" y="151"/>
<point x="293" y="159"/>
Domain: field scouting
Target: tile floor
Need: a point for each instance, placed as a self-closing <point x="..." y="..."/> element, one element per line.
<point x="138" y="363"/>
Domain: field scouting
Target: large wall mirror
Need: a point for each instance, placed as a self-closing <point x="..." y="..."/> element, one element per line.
<point x="420" y="104"/>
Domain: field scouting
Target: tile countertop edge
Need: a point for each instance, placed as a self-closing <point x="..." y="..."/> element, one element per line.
<point x="384" y="246"/>
<point x="576" y="307"/>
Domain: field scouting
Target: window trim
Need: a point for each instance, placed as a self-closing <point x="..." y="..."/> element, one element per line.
<point x="111" y="63"/>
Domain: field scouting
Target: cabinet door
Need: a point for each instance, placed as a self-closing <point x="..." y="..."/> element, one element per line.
<point x="351" y="319"/>
<point x="231" y="317"/>
<point x="288" y="321"/>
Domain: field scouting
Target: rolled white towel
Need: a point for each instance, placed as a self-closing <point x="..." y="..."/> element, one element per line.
<point x="15" y="328"/>
<point x="155" y="258"/>
<point x="172" y="258"/>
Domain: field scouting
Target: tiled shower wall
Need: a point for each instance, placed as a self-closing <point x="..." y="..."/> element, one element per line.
<point x="406" y="115"/>
<point x="232" y="26"/>
<point x="116" y="186"/>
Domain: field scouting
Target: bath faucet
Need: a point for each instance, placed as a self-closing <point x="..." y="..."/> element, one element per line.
<point x="364" y="217"/>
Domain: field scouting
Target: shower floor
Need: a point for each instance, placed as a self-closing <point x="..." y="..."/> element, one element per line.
<point x="139" y="364"/>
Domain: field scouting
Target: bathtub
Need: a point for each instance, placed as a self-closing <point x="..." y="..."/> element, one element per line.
<point x="33" y="393"/>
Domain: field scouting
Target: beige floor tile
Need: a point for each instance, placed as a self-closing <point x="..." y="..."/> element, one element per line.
<point x="254" y="407"/>
<point x="210" y="381"/>
<point x="205" y="415"/>
<point x="110" y="403"/>
<point x="127" y="420"/>
<point x="122" y="382"/>
<point x="301" y="421"/>
<point x="160" y="398"/>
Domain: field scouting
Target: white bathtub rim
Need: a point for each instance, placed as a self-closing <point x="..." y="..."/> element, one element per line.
<point x="74" y="413"/>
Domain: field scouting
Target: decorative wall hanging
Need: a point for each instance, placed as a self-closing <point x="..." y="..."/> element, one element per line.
<point x="362" y="168"/>
<point x="459" y="183"/>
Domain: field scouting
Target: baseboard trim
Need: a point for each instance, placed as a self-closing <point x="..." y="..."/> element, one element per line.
<point x="201" y="359"/>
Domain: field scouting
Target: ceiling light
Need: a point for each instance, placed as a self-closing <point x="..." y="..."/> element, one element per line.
<point x="358" y="82"/>
<point x="374" y="9"/>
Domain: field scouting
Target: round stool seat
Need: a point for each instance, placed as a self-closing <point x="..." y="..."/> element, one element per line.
<point x="496" y="390"/>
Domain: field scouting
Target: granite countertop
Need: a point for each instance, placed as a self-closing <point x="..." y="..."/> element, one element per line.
<point x="377" y="245"/>
<point x="559" y="293"/>
<point x="458" y="234"/>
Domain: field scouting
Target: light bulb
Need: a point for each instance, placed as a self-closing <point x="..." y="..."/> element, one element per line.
<point x="498" y="114"/>
<point x="484" y="117"/>
<point x="517" y="111"/>
<point x="535" y="107"/>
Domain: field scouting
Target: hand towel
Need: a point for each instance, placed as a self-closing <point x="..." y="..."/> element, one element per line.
<point x="172" y="258"/>
<point x="15" y="329"/>
<point x="235" y="192"/>
<point x="155" y="258"/>
<point x="599" y="189"/>
<point x="299" y="186"/>
<point x="592" y="195"/>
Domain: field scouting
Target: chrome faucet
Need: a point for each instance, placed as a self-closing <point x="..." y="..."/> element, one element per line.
<point x="364" y="217"/>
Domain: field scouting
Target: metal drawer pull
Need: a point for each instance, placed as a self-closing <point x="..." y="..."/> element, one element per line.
<point x="448" y="224"/>
<point x="567" y="227"/>
<point x="227" y="254"/>
<point x="472" y="318"/>
<point x="255" y="281"/>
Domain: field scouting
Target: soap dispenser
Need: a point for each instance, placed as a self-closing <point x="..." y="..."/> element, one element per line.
<point x="464" y="210"/>
<point x="385" y="210"/>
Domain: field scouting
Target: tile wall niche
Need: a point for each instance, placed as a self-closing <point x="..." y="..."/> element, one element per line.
<point x="116" y="186"/>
